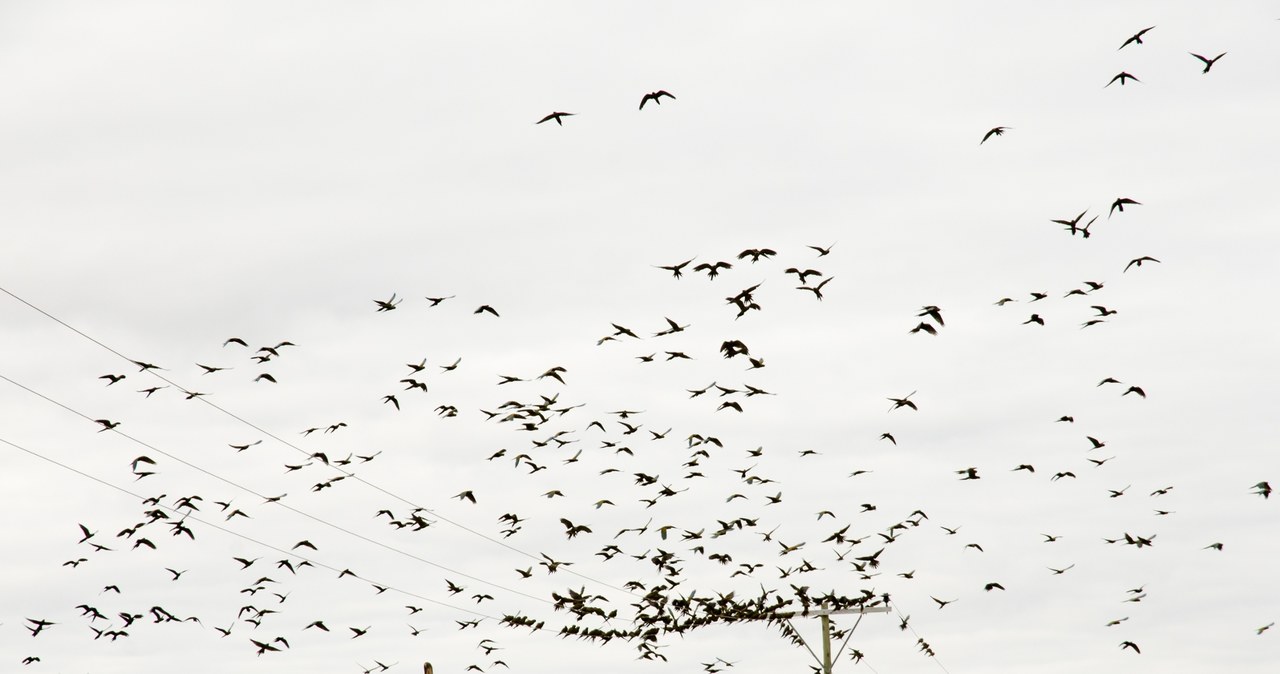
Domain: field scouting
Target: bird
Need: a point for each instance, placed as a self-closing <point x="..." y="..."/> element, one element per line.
<point x="1137" y="261"/>
<point x="756" y="253"/>
<point x="1122" y="77"/>
<point x="672" y="328"/>
<point x="997" y="131"/>
<point x="1208" y="63"/>
<point x="1035" y="318"/>
<point x="903" y="402"/>
<point x="112" y="378"/>
<point x="265" y="377"/>
<point x="713" y="269"/>
<point x="1136" y="38"/>
<point x="655" y="96"/>
<point x="941" y="603"/>
<point x="1263" y="489"/>
<point x="933" y="312"/>
<point x="1073" y="223"/>
<point x="107" y="424"/>
<point x="817" y="290"/>
<point x="484" y="308"/>
<point x="1129" y="644"/>
<point x="384" y="305"/>
<point x="558" y="116"/>
<point x="1120" y="203"/>
<point x="676" y="269"/>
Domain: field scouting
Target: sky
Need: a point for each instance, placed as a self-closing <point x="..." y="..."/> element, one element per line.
<point x="177" y="174"/>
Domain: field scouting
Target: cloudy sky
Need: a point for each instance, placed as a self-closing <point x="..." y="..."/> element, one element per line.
<point x="173" y="175"/>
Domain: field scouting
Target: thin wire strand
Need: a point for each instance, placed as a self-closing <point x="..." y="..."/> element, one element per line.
<point x="290" y="508"/>
<point x="304" y="452"/>
<point x="913" y="631"/>
<point x="189" y="516"/>
<point x="847" y="637"/>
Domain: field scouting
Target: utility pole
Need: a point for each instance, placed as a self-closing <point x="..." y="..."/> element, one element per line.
<point x="825" y="615"/>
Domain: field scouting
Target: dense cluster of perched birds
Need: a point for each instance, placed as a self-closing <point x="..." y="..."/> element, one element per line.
<point x="556" y="430"/>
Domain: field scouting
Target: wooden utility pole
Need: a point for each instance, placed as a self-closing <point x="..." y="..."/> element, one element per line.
<point x="825" y="615"/>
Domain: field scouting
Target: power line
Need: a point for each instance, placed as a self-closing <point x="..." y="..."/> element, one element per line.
<point x="913" y="631"/>
<point x="188" y="516"/>
<point x="248" y="490"/>
<point x="304" y="452"/>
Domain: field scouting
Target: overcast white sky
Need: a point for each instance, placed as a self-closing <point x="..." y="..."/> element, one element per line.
<point x="176" y="174"/>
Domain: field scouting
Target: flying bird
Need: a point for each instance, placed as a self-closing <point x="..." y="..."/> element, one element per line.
<point x="713" y="269"/>
<point x="1120" y="203"/>
<point x="1136" y="38"/>
<point x="817" y="290"/>
<point x="675" y="268"/>
<point x="1208" y="63"/>
<point x="756" y="253"/>
<point x="383" y="305"/>
<point x="556" y="116"/>
<point x="1122" y="77"/>
<point x="997" y="131"/>
<point x="655" y="96"/>
<point x="1137" y="261"/>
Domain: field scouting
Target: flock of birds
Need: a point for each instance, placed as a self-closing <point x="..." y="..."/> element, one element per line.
<point x="554" y="432"/>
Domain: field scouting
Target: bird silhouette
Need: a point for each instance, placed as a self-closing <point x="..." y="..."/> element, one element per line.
<point x="1122" y="78"/>
<point x="997" y="131"/>
<point x="1137" y="261"/>
<point x="655" y="96"/>
<point x="1136" y="38"/>
<point x="1208" y="62"/>
<point x="386" y="305"/>
<point x="558" y="116"/>
<point x="1120" y="203"/>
